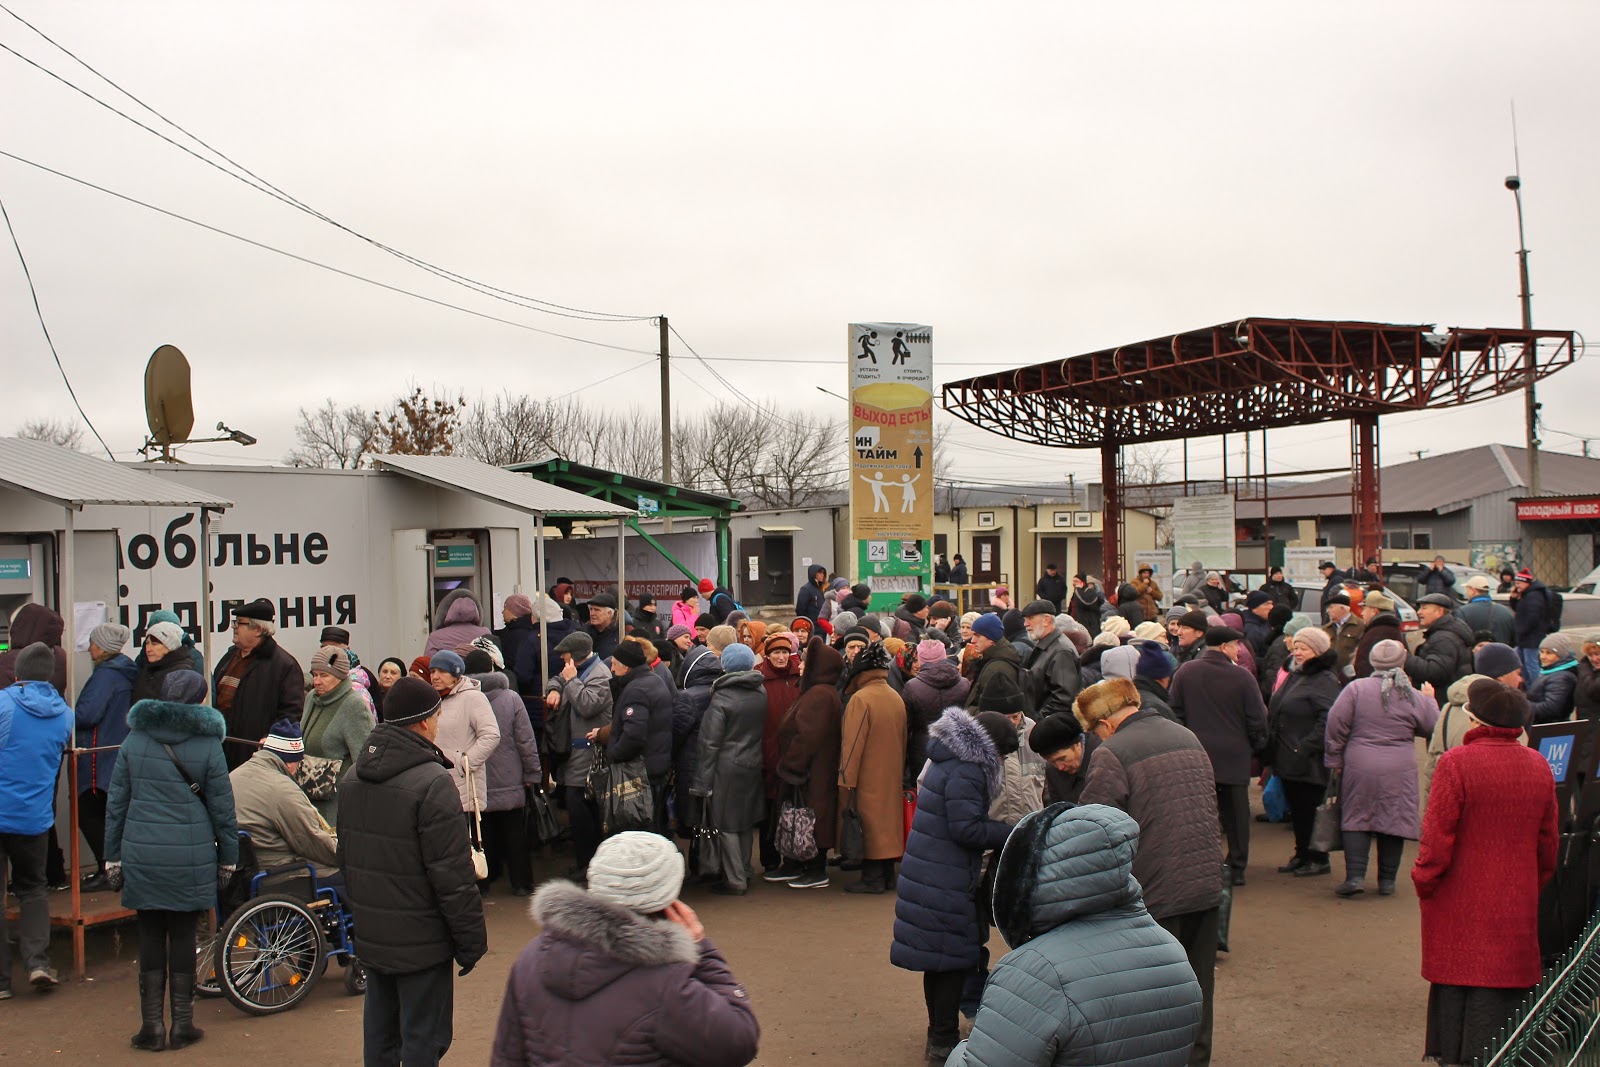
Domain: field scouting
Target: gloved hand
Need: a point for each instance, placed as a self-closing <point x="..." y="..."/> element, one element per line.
<point x="114" y="876"/>
<point x="466" y="969"/>
<point x="225" y="874"/>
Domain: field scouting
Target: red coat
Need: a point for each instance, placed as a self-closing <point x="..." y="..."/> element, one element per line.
<point x="1488" y="845"/>
<point x="782" y="691"/>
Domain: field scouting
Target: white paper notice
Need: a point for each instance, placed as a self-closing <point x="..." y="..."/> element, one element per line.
<point x="86" y="615"/>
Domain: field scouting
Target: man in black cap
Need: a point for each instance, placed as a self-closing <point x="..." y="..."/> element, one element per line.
<point x="1221" y="703"/>
<point x="1257" y="630"/>
<point x="1051" y="666"/>
<point x="257" y="683"/>
<point x="579" y="700"/>
<point x="1445" y="655"/>
<point x="911" y="618"/>
<point x="407" y="867"/>
<point x="1052" y="586"/>
<point x="1192" y="626"/>
<point x="1343" y="628"/>
<point x="602" y="625"/>
<point x="1333" y="579"/>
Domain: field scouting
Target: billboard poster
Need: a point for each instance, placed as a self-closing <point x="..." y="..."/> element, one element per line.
<point x="1203" y="529"/>
<point x="891" y="456"/>
<point x="1159" y="560"/>
<point x="1300" y="564"/>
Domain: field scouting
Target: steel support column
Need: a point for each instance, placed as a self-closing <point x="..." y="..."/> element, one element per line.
<point x="1111" y="517"/>
<point x="1366" y="509"/>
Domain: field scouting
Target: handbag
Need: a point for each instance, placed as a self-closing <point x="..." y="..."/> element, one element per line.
<point x="622" y="793"/>
<point x="543" y="828"/>
<point x="480" y="862"/>
<point x="317" y="777"/>
<point x="852" y="833"/>
<point x="1325" y="832"/>
<point x="796" y="833"/>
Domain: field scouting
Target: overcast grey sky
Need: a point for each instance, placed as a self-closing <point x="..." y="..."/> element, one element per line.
<point x="1034" y="180"/>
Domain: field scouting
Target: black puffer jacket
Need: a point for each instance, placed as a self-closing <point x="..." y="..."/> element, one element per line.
<point x="641" y="721"/>
<point x="406" y="861"/>
<point x="1000" y="661"/>
<point x="1445" y="655"/>
<point x="1297" y="720"/>
<point x="688" y="708"/>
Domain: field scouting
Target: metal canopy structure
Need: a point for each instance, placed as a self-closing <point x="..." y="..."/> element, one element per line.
<point x="1249" y="375"/>
<point x="651" y="498"/>
<point x="500" y="486"/>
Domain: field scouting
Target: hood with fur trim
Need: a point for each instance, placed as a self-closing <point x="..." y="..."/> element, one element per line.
<point x="957" y="735"/>
<point x="1062" y="863"/>
<point x="590" y="943"/>
<point x="167" y="722"/>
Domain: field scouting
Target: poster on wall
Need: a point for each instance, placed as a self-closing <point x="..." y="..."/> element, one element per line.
<point x="1300" y="564"/>
<point x="1203" y="529"/>
<point x="1492" y="555"/>
<point x="1159" y="561"/>
<point x="891" y="456"/>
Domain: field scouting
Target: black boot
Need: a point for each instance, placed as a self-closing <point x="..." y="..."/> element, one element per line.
<point x="184" y="1031"/>
<point x="152" y="1036"/>
<point x="871" y="879"/>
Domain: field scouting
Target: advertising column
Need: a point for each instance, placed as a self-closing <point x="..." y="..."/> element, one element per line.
<point x="891" y="458"/>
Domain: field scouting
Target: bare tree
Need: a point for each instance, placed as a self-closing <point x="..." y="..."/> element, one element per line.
<point x="331" y="436"/>
<point x="511" y="429"/>
<point x="419" y="424"/>
<point x="802" y="464"/>
<point x="64" y="432"/>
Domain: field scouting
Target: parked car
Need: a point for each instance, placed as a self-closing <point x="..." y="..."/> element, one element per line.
<point x="1405" y="579"/>
<point x="1410" y="625"/>
<point x="1587" y="584"/>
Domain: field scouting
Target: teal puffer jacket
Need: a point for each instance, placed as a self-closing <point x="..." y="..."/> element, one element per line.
<point x="1091" y="979"/>
<point x="168" y="840"/>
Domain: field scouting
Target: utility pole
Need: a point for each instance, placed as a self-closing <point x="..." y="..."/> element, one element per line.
<point x="1530" y="412"/>
<point x="666" y="414"/>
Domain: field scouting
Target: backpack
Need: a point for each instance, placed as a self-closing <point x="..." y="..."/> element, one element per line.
<point x="1553" y="604"/>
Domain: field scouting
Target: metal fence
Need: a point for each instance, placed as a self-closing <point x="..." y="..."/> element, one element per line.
<point x="1559" y="1025"/>
<point x="1561" y="553"/>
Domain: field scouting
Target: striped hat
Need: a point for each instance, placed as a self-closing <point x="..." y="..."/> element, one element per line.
<point x="285" y="740"/>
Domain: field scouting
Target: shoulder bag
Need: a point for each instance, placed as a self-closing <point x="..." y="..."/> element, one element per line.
<point x="852" y="832"/>
<point x="480" y="862"/>
<point x="796" y="833"/>
<point x="318" y="777"/>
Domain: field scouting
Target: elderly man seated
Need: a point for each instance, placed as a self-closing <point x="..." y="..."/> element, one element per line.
<point x="283" y="825"/>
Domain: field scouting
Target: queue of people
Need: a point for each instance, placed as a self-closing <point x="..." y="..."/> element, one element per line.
<point x="984" y="769"/>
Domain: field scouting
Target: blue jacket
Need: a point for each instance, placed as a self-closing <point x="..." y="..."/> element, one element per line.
<point x="168" y="840"/>
<point x="102" y="715"/>
<point x="1091" y="979"/>
<point x="35" y="728"/>
<point x="936" y="914"/>
<point x="808" y="601"/>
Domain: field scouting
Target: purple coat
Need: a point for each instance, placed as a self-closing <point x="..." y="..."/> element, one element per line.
<point x="602" y="984"/>
<point x="462" y="623"/>
<point x="1374" y="747"/>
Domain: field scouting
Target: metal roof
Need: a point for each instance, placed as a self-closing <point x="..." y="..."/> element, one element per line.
<point x="1249" y="375"/>
<point x="75" y="480"/>
<point x="500" y="486"/>
<point x="1442" y="483"/>
<point x="677" y="499"/>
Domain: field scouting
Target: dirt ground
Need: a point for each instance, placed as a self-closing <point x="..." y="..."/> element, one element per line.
<point x="1312" y="980"/>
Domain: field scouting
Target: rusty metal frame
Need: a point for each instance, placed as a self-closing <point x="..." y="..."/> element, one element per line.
<point x="1255" y="374"/>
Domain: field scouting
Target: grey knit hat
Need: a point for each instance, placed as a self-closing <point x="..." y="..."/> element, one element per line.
<point x="169" y="634"/>
<point x="640" y="871"/>
<point x="110" y="637"/>
<point x="36" y="663"/>
<point x="1387" y="655"/>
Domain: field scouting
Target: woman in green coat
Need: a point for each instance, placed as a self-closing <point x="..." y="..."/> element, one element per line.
<point x="336" y="721"/>
<point x="171" y="840"/>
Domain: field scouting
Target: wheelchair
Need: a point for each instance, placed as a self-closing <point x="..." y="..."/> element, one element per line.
<point x="277" y="929"/>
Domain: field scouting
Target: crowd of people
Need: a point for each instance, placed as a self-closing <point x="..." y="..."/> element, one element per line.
<point x="1075" y="772"/>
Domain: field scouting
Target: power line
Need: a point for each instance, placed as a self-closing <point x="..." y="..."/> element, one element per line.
<point x="249" y="178"/>
<point x="318" y="263"/>
<point x="602" y="381"/>
<point x="38" y="311"/>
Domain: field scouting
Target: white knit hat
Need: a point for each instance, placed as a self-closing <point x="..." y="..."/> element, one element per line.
<point x="169" y="634"/>
<point x="640" y="871"/>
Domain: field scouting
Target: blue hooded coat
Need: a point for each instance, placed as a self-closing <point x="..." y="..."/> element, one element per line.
<point x="168" y="839"/>
<point x="936" y="916"/>
<point x="1091" y="979"/>
<point x="35" y="728"/>
<point x="102" y="717"/>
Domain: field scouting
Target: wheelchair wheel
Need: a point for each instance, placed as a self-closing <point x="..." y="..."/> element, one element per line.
<point x="355" y="977"/>
<point x="206" y="983"/>
<point x="271" y="955"/>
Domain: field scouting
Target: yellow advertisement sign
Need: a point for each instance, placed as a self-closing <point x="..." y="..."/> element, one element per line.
<point x="891" y="431"/>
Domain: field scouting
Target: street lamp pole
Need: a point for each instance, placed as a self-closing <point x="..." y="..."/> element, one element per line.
<point x="1530" y="350"/>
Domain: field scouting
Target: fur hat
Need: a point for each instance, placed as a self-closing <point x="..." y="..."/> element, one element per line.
<point x="640" y="871"/>
<point x="1387" y="656"/>
<point x="1313" y="638"/>
<point x="1379" y="601"/>
<point x="35" y="663"/>
<point x="1104" y="699"/>
<point x="409" y="701"/>
<point x="1494" y="704"/>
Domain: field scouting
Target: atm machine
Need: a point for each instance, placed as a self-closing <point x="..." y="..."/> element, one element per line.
<point x="459" y="559"/>
<point x="24" y="568"/>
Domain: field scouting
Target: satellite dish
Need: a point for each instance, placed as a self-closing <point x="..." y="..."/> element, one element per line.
<point x="168" y="407"/>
